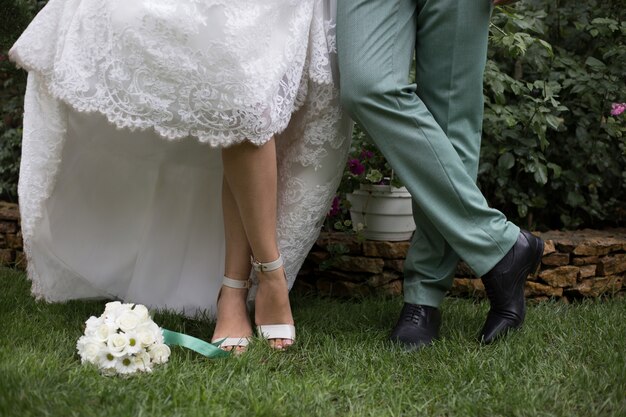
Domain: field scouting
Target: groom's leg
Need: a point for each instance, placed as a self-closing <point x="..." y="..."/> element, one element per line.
<point x="375" y="44"/>
<point x="452" y="90"/>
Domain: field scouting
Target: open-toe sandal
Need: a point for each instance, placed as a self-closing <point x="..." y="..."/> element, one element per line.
<point x="273" y="331"/>
<point x="233" y="342"/>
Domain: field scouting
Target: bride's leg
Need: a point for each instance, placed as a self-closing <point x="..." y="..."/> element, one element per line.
<point x="232" y="312"/>
<point x="251" y="173"/>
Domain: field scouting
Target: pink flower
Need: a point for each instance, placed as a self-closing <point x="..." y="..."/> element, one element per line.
<point x="334" y="208"/>
<point x="617" y="109"/>
<point x="356" y="167"/>
<point x="365" y="154"/>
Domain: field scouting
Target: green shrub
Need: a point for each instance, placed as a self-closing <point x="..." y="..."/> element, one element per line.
<point x="552" y="154"/>
<point x="15" y="16"/>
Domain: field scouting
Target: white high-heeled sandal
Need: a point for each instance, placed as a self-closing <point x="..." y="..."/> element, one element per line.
<point x="273" y="331"/>
<point x="243" y="341"/>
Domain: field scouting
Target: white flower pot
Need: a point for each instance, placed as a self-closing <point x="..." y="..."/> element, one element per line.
<point x="384" y="211"/>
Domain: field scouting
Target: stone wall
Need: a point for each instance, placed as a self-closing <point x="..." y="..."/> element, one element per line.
<point x="576" y="264"/>
<point x="585" y="263"/>
<point x="11" y="248"/>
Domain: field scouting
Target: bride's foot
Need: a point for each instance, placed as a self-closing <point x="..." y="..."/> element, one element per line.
<point x="272" y="309"/>
<point x="233" y="322"/>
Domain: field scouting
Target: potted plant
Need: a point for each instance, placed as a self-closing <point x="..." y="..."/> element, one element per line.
<point x="378" y="204"/>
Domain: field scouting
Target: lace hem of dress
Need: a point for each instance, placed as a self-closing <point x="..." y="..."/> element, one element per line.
<point x="149" y="74"/>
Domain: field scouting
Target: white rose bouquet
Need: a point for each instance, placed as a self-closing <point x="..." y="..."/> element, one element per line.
<point x="123" y="340"/>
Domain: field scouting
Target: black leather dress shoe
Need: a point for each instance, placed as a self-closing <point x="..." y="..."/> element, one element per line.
<point x="505" y="286"/>
<point x="418" y="326"/>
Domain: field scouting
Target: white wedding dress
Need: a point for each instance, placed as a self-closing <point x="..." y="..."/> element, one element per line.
<point x="127" y="107"/>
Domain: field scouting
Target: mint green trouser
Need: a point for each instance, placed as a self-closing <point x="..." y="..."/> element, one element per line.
<point x="429" y="131"/>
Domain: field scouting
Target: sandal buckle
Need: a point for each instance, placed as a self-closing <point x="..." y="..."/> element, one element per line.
<point x="258" y="266"/>
<point x="266" y="266"/>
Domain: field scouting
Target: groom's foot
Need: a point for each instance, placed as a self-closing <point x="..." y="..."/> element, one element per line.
<point x="505" y="287"/>
<point x="417" y="327"/>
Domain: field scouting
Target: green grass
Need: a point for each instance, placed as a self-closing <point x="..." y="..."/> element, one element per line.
<point x="569" y="360"/>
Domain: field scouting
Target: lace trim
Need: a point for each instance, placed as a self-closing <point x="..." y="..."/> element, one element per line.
<point x="148" y="71"/>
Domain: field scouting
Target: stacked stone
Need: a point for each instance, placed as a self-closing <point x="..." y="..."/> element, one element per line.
<point x="11" y="246"/>
<point x="585" y="263"/>
<point x="576" y="264"/>
<point x="362" y="268"/>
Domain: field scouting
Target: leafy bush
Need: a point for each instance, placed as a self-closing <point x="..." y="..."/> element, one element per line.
<point x="15" y="16"/>
<point x="12" y="85"/>
<point x="552" y="154"/>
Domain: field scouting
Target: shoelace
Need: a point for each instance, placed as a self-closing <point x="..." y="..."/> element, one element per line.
<point x="414" y="313"/>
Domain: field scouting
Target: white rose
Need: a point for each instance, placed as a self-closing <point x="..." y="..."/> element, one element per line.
<point x="127" y="321"/>
<point x="112" y="307"/>
<point x="160" y="353"/>
<point x="113" y="310"/>
<point x="91" y="352"/>
<point x="89" y="348"/>
<point x="145" y="337"/>
<point x="103" y="332"/>
<point x="117" y="344"/>
<point x="149" y="326"/>
<point x="109" y="320"/>
<point x="126" y="307"/>
<point x="141" y="311"/>
<point x="92" y="324"/>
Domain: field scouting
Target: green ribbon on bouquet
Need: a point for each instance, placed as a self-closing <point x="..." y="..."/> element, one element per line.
<point x="210" y="350"/>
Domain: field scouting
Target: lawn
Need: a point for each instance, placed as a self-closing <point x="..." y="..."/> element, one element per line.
<point x="569" y="360"/>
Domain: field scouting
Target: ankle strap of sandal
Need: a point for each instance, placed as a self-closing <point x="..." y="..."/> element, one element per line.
<point x="266" y="266"/>
<point x="235" y="283"/>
